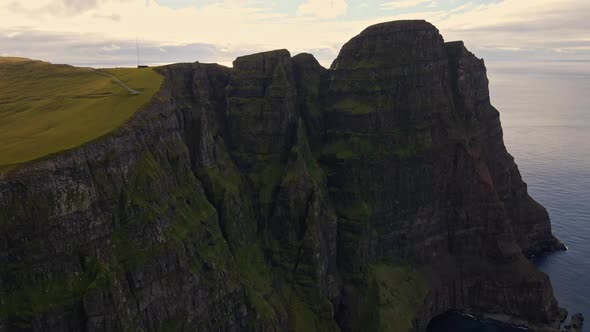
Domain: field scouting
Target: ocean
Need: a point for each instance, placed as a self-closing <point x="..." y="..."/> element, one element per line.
<point x="545" y="113"/>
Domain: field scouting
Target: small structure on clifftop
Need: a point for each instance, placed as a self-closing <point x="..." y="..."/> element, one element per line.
<point x="139" y="65"/>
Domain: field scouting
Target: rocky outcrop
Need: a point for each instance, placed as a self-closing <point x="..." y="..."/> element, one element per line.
<point x="414" y="150"/>
<point x="279" y="195"/>
<point x="576" y="324"/>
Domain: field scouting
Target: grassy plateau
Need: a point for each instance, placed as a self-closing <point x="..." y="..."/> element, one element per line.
<point x="47" y="108"/>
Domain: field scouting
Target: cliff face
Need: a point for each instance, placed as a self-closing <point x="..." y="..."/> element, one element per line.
<point x="279" y="195"/>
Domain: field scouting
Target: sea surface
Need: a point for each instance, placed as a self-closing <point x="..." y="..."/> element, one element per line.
<point x="545" y="113"/>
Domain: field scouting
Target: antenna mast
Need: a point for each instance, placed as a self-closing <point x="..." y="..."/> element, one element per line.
<point x="137" y="46"/>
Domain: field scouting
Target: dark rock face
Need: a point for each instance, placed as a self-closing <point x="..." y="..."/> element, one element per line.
<point x="415" y="154"/>
<point x="279" y="195"/>
<point x="576" y="324"/>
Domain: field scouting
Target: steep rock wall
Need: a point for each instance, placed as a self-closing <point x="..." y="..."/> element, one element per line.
<point x="279" y="195"/>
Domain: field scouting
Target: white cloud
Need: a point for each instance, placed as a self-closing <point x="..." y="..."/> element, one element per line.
<point x="404" y="4"/>
<point x="574" y="49"/>
<point x="111" y="48"/>
<point x="513" y="24"/>
<point x="323" y="8"/>
<point x="80" y="5"/>
<point x="237" y="27"/>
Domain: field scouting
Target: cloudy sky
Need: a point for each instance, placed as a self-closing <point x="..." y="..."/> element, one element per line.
<point x="104" y="32"/>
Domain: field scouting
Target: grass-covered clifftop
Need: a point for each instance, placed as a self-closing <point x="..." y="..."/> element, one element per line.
<point x="47" y="108"/>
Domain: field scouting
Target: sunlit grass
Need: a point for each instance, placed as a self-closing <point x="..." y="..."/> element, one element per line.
<point x="46" y="108"/>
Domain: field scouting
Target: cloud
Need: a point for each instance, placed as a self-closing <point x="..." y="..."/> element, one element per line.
<point x="112" y="17"/>
<point x="323" y="8"/>
<point x="111" y="48"/>
<point x="79" y="5"/>
<point x="90" y="50"/>
<point x="53" y="7"/>
<point x="512" y="23"/>
<point x="574" y="49"/>
<point x="404" y="4"/>
<point x="218" y="31"/>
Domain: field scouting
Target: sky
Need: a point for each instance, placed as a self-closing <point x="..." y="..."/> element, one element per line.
<point x="105" y="32"/>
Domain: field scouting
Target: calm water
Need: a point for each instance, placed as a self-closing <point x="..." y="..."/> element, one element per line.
<point x="458" y="323"/>
<point x="545" y="113"/>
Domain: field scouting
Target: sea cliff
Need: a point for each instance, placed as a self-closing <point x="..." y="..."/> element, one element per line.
<point x="279" y="195"/>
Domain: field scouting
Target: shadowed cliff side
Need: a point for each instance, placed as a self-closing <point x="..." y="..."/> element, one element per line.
<point x="416" y="161"/>
<point x="279" y="195"/>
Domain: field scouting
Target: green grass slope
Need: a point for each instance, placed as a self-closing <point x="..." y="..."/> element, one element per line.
<point x="46" y="108"/>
